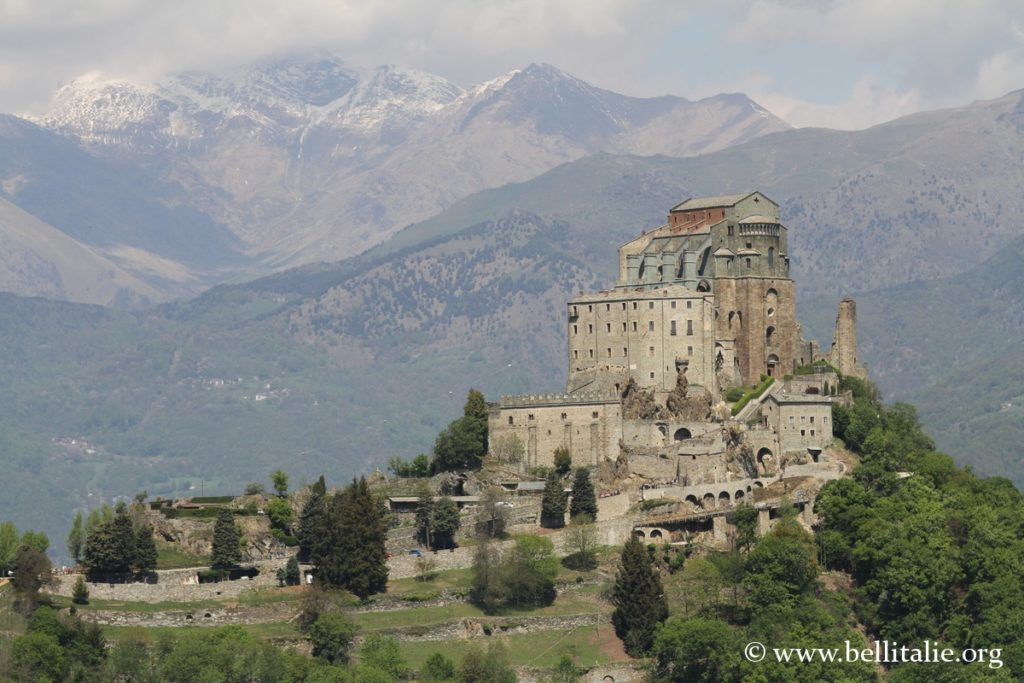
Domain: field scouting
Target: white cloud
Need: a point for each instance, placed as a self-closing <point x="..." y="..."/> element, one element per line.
<point x="465" y="40"/>
<point x="911" y="54"/>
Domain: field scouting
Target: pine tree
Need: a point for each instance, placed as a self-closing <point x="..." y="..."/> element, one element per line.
<point x="638" y="598"/>
<point x="584" y="501"/>
<point x="552" y="506"/>
<point x="145" y="555"/>
<point x="313" y="520"/>
<point x="227" y="550"/>
<point x="76" y="538"/>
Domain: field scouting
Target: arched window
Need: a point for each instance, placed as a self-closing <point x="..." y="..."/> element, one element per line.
<point x="771" y="256"/>
<point x="769" y="334"/>
<point x="682" y="434"/>
<point x="732" y="314"/>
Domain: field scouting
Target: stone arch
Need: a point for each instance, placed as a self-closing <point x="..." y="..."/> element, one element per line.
<point x="655" y="533"/>
<point x="708" y="502"/>
<point x="739" y="496"/>
<point x="639" y="533"/>
<point x="692" y="500"/>
<point x="703" y="286"/>
<point x="682" y="434"/>
<point x="771" y="297"/>
<point x="732" y="315"/>
<point x="759" y="484"/>
<point x="764" y="458"/>
<point x="607" y="679"/>
<point x="724" y="499"/>
<point x="771" y="363"/>
<point x="769" y="334"/>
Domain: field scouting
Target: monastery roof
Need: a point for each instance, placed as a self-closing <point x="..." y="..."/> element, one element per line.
<point x="783" y="397"/>
<point x="758" y="218"/>
<point x="711" y="202"/>
<point x="725" y="251"/>
<point x="663" y="291"/>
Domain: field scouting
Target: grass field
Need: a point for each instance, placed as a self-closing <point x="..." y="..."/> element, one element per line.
<point x="168" y="557"/>
<point x="588" y="646"/>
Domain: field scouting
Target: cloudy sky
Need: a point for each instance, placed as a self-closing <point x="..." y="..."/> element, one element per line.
<point x="838" y="63"/>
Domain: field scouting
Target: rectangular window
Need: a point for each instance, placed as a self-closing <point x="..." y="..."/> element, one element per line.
<point x="634" y="305"/>
<point x="825" y="419"/>
<point x="609" y="352"/>
<point x="689" y="350"/>
<point x="530" y="416"/>
<point x="607" y="307"/>
<point x="650" y="326"/>
<point x="650" y="305"/>
<point x="673" y="304"/>
<point x="594" y="415"/>
<point x="575" y="329"/>
<point x="689" y="328"/>
<point x="623" y="305"/>
<point x="812" y="432"/>
<point x="634" y="326"/>
<point x="623" y="327"/>
<point x="790" y="419"/>
<point x="803" y="433"/>
<point x="672" y="332"/>
<point x="591" y="352"/>
<point x="575" y="354"/>
<point x="812" y="419"/>
<point x="608" y="327"/>
<point x="565" y="415"/>
<point x="803" y="418"/>
<point x="730" y="231"/>
<point x="689" y="304"/>
<point x="652" y="375"/>
<point x="590" y="329"/>
<point x="510" y="419"/>
<point x="651" y="351"/>
<point x="590" y="308"/>
<point x="624" y="351"/>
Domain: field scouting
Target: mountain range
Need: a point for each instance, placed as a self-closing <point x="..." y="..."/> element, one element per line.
<point x="335" y="366"/>
<point x="203" y="178"/>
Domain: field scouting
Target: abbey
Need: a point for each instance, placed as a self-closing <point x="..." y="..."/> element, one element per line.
<point x="703" y="304"/>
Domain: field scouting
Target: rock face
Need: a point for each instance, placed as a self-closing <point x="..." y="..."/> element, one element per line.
<point x="195" y="536"/>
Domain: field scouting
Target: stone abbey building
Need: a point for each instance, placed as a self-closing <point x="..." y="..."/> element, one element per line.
<point x="702" y="304"/>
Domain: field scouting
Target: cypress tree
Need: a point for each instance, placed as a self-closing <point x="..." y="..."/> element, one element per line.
<point x="312" y="520"/>
<point x="145" y="555"/>
<point x="445" y="522"/>
<point x="638" y="598"/>
<point x="76" y="538"/>
<point x="110" y="546"/>
<point x="363" y="525"/>
<point x="227" y="551"/>
<point x="425" y="517"/>
<point x="552" y="506"/>
<point x="584" y="501"/>
<point x="353" y="555"/>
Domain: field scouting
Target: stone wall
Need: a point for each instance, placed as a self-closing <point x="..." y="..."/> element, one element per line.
<point x="173" y="585"/>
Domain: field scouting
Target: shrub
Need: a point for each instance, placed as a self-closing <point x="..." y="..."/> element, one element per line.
<point x="733" y="394"/>
<point x="80" y="592"/>
<point x="752" y="394"/>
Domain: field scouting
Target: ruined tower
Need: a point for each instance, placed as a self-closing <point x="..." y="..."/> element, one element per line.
<point x="843" y="353"/>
